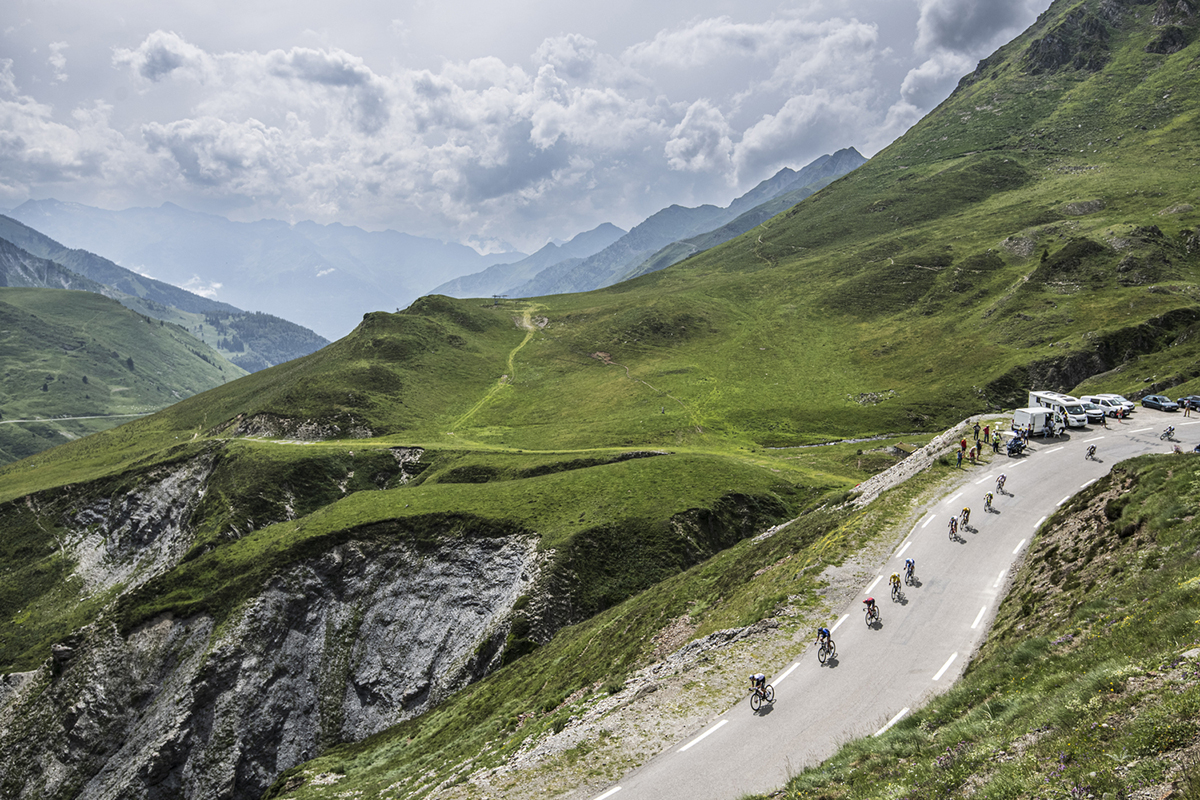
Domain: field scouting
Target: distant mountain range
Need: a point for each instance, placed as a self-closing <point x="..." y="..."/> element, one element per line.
<point x="663" y="239"/>
<point x="500" y="279"/>
<point x="324" y="277"/>
<point x="253" y="341"/>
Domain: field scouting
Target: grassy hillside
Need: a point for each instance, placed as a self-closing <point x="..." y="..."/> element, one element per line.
<point x="1038" y="230"/>
<point x="77" y="354"/>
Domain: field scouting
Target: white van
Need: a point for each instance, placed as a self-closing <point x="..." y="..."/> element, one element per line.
<point x="1072" y="412"/>
<point x="1037" y="416"/>
<point x="1119" y="400"/>
<point x="1110" y="407"/>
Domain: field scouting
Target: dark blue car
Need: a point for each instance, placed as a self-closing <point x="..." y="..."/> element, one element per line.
<point x="1161" y="402"/>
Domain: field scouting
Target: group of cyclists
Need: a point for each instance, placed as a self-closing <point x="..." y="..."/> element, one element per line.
<point x="825" y="646"/>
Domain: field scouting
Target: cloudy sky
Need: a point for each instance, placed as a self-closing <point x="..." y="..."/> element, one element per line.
<point x="471" y="121"/>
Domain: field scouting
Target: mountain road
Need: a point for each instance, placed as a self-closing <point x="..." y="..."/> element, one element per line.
<point x="922" y="642"/>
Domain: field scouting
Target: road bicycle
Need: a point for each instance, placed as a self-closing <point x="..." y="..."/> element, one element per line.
<point x="826" y="650"/>
<point x="953" y="528"/>
<point x="1091" y="453"/>
<point x="1000" y="484"/>
<point x="758" y="696"/>
<point x="872" y="615"/>
<point x="1168" y="434"/>
<point x="909" y="578"/>
<point x="896" y="592"/>
<point x="963" y="518"/>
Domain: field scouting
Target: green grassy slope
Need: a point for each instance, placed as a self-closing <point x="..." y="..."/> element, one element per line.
<point x="77" y="354"/>
<point x="1037" y="230"/>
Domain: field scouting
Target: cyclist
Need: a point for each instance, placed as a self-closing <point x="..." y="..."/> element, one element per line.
<point x="870" y="604"/>
<point x="909" y="566"/>
<point x="1000" y="483"/>
<point x="894" y="580"/>
<point x="823" y="636"/>
<point x="1168" y="433"/>
<point x="987" y="501"/>
<point x="966" y="516"/>
<point x="1091" y="451"/>
<point x="758" y="682"/>
<point x="953" y="525"/>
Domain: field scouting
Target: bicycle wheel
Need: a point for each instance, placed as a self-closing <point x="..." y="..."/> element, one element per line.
<point x="755" y="701"/>
<point x="822" y="653"/>
<point x="832" y="650"/>
<point x="770" y="690"/>
<point x="909" y="579"/>
<point x="868" y="617"/>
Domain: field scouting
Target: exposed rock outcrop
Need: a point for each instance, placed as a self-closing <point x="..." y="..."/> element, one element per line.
<point x="334" y="649"/>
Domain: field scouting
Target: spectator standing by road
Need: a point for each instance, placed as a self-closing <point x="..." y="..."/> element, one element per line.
<point x="976" y="431"/>
<point x="986" y="437"/>
<point x="960" y="452"/>
<point x="963" y="444"/>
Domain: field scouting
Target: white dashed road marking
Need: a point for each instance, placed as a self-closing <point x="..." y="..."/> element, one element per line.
<point x="704" y="735"/>
<point x="978" y="617"/>
<point x="892" y="721"/>
<point x="784" y="675"/>
<point x="945" y="667"/>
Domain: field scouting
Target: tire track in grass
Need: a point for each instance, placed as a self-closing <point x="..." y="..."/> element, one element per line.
<point x="526" y="322"/>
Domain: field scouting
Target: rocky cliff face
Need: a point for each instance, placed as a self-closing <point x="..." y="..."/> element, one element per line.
<point x="338" y="645"/>
<point x="334" y="649"/>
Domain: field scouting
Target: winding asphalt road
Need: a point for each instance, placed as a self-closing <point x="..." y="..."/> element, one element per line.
<point x="921" y="643"/>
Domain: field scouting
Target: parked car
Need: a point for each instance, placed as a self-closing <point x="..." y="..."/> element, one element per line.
<point x="1095" y="413"/>
<point x="1192" y="400"/>
<point x="1159" y="401"/>
<point x="1111" y="408"/>
<point x="1119" y="400"/>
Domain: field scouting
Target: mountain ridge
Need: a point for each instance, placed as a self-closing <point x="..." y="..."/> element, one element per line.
<point x="254" y="340"/>
<point x="323" y="276"/>
<point x="677" y="227"/>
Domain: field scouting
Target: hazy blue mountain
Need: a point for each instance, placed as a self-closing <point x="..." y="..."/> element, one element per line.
<point x="253" y="341"/>
<point x="322" y="276"/>
<point x="677" y="232"/>
<point x="500" y="278"/>
<point x="103" y="271"/>
<point x="607" y="266"/>
<point x="784" y="190"/>
<point x="19" y="267"/>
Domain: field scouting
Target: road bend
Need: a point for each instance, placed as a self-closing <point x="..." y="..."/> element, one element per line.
<point x="921" y="644"/>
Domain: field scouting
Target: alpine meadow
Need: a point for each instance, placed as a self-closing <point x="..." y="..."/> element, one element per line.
<point x="421" y="561"/>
